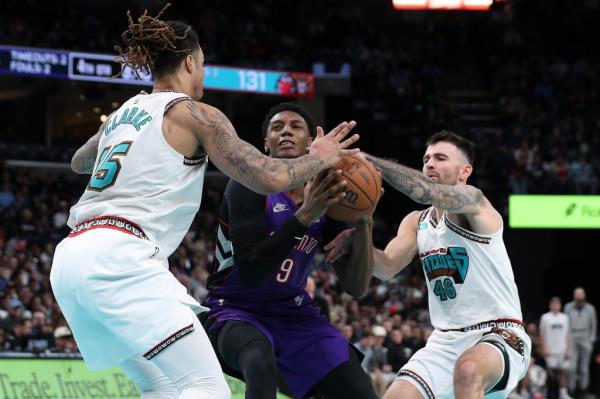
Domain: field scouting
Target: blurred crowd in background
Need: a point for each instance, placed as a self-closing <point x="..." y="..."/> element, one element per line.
<point x="520" y="81"/>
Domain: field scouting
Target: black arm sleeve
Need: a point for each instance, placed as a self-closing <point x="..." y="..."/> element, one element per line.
<point x="256" y="253"/>
<point x="331" y="230"/>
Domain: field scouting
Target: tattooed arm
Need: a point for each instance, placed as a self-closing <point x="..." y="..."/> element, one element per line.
<point x="460" y="199"/>
<point x="246" y="164"/>
<point x="85" y="157"/>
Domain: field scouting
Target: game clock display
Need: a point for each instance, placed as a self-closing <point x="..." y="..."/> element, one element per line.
<point x="102" y="68"/>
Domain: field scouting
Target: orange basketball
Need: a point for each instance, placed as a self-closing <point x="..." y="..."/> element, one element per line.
<point x="362" y="190"/>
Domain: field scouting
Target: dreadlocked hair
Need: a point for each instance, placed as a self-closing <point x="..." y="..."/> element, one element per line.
<point x="155" y="46"/>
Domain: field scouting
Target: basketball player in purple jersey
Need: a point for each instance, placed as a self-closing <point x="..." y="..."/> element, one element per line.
<point x="111" y="276"/>
<point x="262" y="322"/>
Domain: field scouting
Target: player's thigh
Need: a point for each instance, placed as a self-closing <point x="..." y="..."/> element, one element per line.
<point x="234" y="336"/>
<point x="148" y="309"/>
<point x="484" y="360"/>
<point x="191" y="361"/>
<point x="98" y="345"/>
<point x="348" y="380"/>
<point x="403" y="389"/>
<point x="512" y="348"/>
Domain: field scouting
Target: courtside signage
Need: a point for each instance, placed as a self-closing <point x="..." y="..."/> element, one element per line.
<point x="102" y="67"/>
<point x="70" y="379"/>
<point x="554" y="211"/>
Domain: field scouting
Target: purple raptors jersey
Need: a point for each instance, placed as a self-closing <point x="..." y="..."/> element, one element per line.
<point x="307" y="347"/>
<point x="282" y="290"/>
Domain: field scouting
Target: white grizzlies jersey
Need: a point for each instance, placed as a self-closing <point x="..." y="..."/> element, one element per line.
<point x="138" y="176"/>
<point x="469" y="275"/>
<point x="555" y="327"/>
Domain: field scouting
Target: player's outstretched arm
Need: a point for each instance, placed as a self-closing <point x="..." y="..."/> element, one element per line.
<point x="355" y="269"/>
<point x="243" y="162"/>
<point x="461" y="199"/>
<point x="400" y="251"/>
<point x="413" y="183"/>
<point x="84" y="159"/>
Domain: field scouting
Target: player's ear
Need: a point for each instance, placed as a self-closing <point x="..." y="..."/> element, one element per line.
<point x="189" y="63"/>
<point x="266" y="146"/>
<point x="466" y="171"/>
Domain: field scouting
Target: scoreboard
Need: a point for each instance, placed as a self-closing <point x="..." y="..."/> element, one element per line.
<point x="467" y="5"/>
<point x="102" y="67"/>
<point x="34" y="62"/>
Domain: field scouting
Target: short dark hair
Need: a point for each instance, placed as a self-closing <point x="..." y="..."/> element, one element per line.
<point x="466" y="146"/>
<point x="155" y="45"/>
<point x="293" y="107"/>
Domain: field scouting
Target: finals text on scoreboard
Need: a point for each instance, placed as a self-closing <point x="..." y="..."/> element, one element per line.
<point x="104" y="68"/>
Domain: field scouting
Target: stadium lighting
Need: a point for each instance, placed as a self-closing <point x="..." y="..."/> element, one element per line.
<point x="467" y="5"/>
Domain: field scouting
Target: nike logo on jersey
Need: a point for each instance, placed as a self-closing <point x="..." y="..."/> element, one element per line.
<point x="279" y="207"/>
<point x="299" y="299"/>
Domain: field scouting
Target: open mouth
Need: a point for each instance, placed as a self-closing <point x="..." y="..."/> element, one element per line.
<point x="283" y="144"/>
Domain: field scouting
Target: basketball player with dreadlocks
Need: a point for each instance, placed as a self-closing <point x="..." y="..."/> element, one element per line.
<point x="110" y="275"/>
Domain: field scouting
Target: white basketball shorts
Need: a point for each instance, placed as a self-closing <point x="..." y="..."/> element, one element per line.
<point x="119" y="299"/>
<point x="557" y="361"/>
<point x="431" y="368"/>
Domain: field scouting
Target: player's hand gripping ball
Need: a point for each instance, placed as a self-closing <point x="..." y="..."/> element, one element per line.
<point x="362" y="190"/>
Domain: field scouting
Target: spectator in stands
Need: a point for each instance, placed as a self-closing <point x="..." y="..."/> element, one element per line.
<point x="348" y="332"/>
<point x="398" y="353"/>
<point x="15" y="310"/>
<point x="584" y="176"/>
<point x="7" y="198"/>
<point x="365" y="346"/>
<point x="379" y="358"/>
<point x="4" y="346"/>
<point x="18" y="341"/>
<point x="560" y="174"/>
<point x="583" y="327"/>
<point x="536" y="377"/>
<point x="41" y="336"/>
<point x="556" y="345"/>
<point x="63" y="340"/>
<point x="60" y="217"/>
<point x="378" y="366"/>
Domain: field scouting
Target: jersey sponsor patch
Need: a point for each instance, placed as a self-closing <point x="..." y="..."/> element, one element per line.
<point x="423" y="225"/>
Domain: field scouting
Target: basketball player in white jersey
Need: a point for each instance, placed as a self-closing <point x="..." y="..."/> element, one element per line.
<point x="110" y="275"/>
<point x="478" y="346"/>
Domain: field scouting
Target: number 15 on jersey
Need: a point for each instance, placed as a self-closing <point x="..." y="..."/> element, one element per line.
<point x="108" y="168"/>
